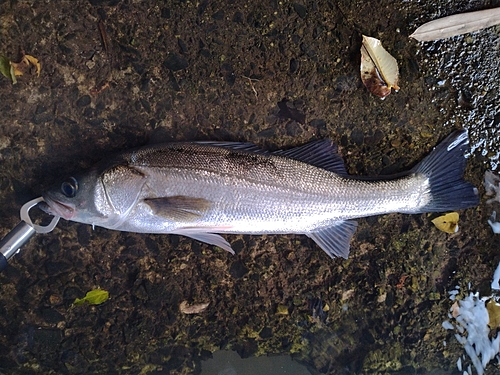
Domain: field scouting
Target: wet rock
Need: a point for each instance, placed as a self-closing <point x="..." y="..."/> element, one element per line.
<point x="357" y="137"/>
<point x="266" y="333"/>
<point x="182" y="46"/>
<point x="56" y="267"/>
<point x="300" y="9"/>
<point x="47" y="339"/>
<point x="293" y="129"/>
<point x="288" y="110"/>
<point x="238" y="269"/>
<point x="294" y="66"/>
<point x="267" y="133"/>
<point x="51" y="316"/>
<point x="465" y="99"/>
<point x="319" y="124"/>
<point x="40" y="109"/>
<point x="83" y="235"/>
<point x="165" y="13"/>
<point x="83" y="101"/>
<point x="238" y="17"/>
<point x="246" y="349"/>
<point x="238" y="246"/>
<point x="219" y="15"/>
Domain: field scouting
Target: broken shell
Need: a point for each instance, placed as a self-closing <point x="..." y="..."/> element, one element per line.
<point x="196" y="308"/>
<point x="447" y="223"/>
<point x="379" y="70"/>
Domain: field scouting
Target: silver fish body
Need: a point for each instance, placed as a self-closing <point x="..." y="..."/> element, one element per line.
<point x="200" y="189"/>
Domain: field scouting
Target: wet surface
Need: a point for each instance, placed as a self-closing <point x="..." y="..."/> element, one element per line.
<point x="121" y="74"/>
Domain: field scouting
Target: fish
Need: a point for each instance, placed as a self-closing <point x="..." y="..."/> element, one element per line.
<point x="204" y="189"/>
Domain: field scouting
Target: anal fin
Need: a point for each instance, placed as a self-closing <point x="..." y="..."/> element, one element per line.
<point x="335" y="239"/>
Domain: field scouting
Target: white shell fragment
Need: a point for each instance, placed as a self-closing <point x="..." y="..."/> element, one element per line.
<point x="379" y="70"/>
<point x="457" y="24"/>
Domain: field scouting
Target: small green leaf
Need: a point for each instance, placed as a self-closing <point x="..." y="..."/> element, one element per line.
<point x="94" y="297"/>
<point x="12" y="75"/>
<point x="5" y="66"/>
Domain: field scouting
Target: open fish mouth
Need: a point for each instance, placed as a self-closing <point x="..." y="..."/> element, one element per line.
<point x="56" y="208"/>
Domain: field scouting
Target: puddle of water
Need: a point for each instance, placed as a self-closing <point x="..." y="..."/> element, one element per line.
<point x="225" y="362"/>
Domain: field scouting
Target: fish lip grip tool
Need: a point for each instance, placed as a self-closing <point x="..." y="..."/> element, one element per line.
<point x="22" y="232"/>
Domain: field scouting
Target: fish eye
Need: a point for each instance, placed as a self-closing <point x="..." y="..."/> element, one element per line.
<point x="69" y="187"/>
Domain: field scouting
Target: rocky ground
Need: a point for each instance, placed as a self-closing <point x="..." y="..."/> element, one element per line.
<point x="117" y="74"/>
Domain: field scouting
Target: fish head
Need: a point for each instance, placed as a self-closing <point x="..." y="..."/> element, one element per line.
<point x="74" y="198"/>
<point x="102" y="196"/>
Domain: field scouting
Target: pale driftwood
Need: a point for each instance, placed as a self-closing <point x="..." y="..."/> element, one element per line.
<point x="457" y="24"/>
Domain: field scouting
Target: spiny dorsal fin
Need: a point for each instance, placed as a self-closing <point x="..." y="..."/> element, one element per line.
<point x="321" y="154"/>
<point x="237" y="146"/>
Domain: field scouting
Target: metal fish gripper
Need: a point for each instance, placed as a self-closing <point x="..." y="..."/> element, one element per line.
<point x="22" y="232"/>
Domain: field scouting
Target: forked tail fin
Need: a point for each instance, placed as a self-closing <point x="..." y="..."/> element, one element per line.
<point x="445" y="169"/>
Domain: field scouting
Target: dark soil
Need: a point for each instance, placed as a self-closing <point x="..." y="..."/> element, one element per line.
<point x="117" y="74"/>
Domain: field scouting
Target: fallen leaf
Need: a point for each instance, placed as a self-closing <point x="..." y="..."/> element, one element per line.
<point x="455" y="309"/>
<point x="379" y="70"/>
<point x="197" y="308"/>
<point x="493" y="313"/>
<point x="6" y="69"/>
<point x="94" y="297"/>
<point x="27" y="65"/>
<point x="35" y="63"/>
<point x="457" y="24"/>
<point x="447" y="223"/>
<point x="282" y="310"/>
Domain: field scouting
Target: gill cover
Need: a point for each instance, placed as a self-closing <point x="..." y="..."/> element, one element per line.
<point x="122" y="186"/>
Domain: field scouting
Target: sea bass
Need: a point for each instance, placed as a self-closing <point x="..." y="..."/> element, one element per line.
<point x="199" y="189"/>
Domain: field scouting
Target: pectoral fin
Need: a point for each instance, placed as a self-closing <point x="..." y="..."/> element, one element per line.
<point x="335" y="240"/>
<point x="179" y="208"/>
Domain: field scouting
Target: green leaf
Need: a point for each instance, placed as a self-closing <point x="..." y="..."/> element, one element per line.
<point x="94" y="297"/>
<point x="5" y="66"/>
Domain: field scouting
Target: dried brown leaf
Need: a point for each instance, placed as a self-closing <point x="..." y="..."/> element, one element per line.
<point x="379" y="70"/>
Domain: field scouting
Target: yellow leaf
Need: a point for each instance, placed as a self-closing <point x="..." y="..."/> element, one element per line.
<point x="447" y="223"/>
<point x="18" y="68"/>
<point x="28" y="64"/>
<point x="35" y="62"/>
<point x="493" y="313"/>
<point x="94" y="297"/>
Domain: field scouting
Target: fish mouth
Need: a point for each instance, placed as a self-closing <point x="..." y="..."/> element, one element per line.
<point x="57" y="208"/>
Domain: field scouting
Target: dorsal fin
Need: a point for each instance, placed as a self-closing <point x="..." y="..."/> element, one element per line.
<point x="238" y="146"/>
<point x="321" y="154"/>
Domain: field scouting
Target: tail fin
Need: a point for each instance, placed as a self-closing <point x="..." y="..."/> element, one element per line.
<point x="445" y="168"/>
